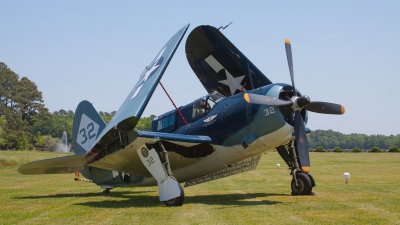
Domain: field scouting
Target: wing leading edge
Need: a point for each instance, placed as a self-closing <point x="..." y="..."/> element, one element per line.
<point x="194" y="139"/>
<point x="219" y="65"/>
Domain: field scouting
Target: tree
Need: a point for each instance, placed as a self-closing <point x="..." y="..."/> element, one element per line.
<point x="8" y="82"/>
<point x="356" y="149"/>
<point x="23" y="143"/>
<point x="376" y="149"/>
<point x="320" y="149"/>
<point x="21" y="104"/>
<point x="39" y="139"/>
<point x="394" y="149"/>
<point x="62" y="112"/>
<point x="51" y="143"/>
<point x="144" y="123"/>
<point x="337" y="149"/>
<point x="3" y="123"/>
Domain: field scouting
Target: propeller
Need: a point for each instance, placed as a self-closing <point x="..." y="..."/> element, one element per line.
<point x="297" y="104"/>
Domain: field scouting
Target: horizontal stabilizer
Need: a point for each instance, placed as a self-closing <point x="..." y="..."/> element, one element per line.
<point x="66" y="164"/>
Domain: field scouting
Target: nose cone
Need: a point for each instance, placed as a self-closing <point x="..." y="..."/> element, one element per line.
<point x="303" y="101"/>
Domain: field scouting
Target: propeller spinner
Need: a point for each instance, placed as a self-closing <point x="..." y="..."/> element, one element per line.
<point x="297" y="104"/>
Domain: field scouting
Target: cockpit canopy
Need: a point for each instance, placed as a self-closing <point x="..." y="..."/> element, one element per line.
<point x="171" y="120"/>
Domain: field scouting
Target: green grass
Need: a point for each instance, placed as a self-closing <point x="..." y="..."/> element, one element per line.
<point x="262" y="196"/>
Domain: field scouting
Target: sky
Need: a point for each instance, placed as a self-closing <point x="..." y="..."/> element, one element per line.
<point x="344" y="52"/>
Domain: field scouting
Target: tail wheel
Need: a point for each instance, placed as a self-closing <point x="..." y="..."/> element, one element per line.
<point x="178" y="201"/>
<point x="107" y="191"/>
<point x="304" y="186"/>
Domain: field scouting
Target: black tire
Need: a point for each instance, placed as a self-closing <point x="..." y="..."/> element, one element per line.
<point x="106" y="192"/>
<point x="178" y="201"/>
<point x="304" y="185"/>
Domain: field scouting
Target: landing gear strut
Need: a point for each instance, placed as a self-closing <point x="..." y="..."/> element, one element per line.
<point x="169" y="189"/>
<point x="178" y="201"/>
<point x="107" y="191"/>
<point x="302" y="182"/>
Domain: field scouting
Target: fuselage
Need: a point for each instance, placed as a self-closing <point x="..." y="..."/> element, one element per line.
<point x="239" y="130"/>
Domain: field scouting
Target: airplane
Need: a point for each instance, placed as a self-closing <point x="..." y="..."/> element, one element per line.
<point x="220" y="134"/>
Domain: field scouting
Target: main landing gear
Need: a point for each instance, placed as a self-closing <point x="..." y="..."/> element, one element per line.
<point x="157" y="163"/>
<point x="302" y="181"/>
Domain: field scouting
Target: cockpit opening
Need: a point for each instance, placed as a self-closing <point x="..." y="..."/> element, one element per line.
<point x="203" y="105"/>
<point x="170" y="121"/>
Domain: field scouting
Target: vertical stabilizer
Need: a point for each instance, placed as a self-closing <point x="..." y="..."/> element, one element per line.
<point x="88" y="124"/>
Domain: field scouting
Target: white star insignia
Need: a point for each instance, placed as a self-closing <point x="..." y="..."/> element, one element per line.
<point x="148" y="72"/>
<point x="233" y="82"/>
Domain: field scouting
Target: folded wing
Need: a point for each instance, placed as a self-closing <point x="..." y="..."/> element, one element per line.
<point x="219" y="65"/>
<point x="132" y="108"/>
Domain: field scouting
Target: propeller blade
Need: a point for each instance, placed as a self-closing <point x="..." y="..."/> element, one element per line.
<point x="265" y="100"/>
<point x="325" y="108"/>
<point x="288" y="48"/>
<point x="301" y="142"/>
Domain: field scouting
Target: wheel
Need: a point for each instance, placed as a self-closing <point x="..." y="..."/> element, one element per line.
<point x="304" y="185"/>
<point x="178" y="201"/>
<point x="127" y="178"/>
<point x="106" y="192"/>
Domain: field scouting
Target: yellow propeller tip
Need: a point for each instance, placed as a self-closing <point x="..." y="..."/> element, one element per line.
<point x="342" y="109"/>
<point x="287" y="41"/>
<point x="246" y="97"/>
<point x="306" y="169"/>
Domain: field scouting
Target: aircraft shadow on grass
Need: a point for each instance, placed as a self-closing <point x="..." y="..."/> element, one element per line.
<point x="244" y="199"/>
<point x="67" y="195"/>
<point x="239" y="199"/>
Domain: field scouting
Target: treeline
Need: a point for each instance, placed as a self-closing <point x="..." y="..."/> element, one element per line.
<point x="25" y="122"/>
<point x="331" y="139"/>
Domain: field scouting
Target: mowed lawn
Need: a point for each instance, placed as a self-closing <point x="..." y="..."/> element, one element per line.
<point x="262" y="196"/>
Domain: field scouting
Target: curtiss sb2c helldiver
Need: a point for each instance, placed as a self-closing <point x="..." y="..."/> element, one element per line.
<point x="223" y="133"/>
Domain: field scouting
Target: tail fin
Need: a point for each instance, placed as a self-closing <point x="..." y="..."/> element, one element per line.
<point x="88" y="124"/>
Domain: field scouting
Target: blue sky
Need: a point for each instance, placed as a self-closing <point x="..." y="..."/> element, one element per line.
<point x="344" y="52"/>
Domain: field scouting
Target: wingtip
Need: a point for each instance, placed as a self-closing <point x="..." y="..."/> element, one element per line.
<point x="287" y="41"/>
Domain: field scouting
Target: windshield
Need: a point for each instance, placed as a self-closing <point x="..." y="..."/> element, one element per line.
<point x="203" y="105"/>
<point x="216" y="96"/>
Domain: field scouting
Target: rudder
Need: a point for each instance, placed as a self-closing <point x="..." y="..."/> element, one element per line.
<point x="88" y="124"/>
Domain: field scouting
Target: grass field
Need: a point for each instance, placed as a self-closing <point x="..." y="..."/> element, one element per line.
<point x="262" y="196"/>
